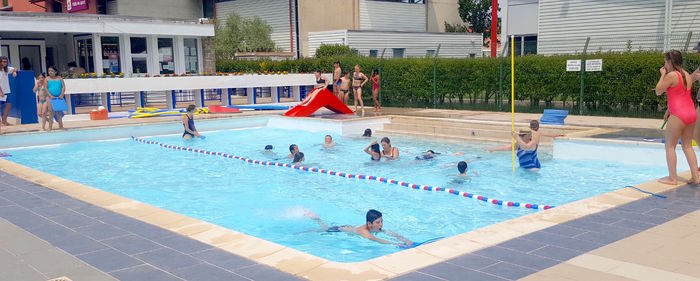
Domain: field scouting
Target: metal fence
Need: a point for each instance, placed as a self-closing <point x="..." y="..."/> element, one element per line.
<point x="485" y="85"/>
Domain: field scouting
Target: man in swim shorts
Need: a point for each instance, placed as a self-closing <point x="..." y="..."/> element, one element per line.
<point x="374" y="223"/>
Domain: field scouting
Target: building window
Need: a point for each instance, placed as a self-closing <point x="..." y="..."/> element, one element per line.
<point x="191" y="56"/>
<point x="398" y="52"/>
<point x="166" y="61"/>
<point x="110" y="55"/>
<point x="139" y="55"/>
<point x="372" y="53"/>
<point x="430" y="53"/>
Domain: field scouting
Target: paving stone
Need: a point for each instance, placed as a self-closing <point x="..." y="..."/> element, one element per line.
<point x="636" y="216"/>
<point x="417" y="276"/>
<point x="132" y="244"/>
<point x="52" y="195"/>
<point x="664" y="213"/>
<point x="521" y="245"/>
<point x="16" y="195"/>
<point x="142" y="273"/>
<point x="24" y="218"/>
<point x="223" y="259"/>
<point x="183" y="244"/>
<point x="472" y="261"/>
<point x="564" y="230"/>
<point x="52" y="232"/>
<point x="638" y="225"/>
<point x="4" y="202"/>
<point x="206" y="272"/>
<point x="93" y="211"/>
<point x="167" y="259"/>
<point x="79" y="244"/>
<point x="608" y="237"/>
<point x="74" y="220"/>
<point x="452" y="272"/>
<point x="265" y="273"/>
<point x="508" y="271"/>
<point x="52" y="211"/>
<point x="101" y="231"/>
<point x="562" y="241"/>
<point x="13" y="269"/>
<point x="109" y="260"/>
<point x="518" y="258"/>
<point x="33" y="201"/>
<point x="556" y="253"/>
<point x="70" y="203"/>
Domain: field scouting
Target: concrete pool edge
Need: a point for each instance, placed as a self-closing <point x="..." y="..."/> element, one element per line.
<point x="308" y="266"/>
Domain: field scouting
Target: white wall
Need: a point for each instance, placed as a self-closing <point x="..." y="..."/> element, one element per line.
<point x="564" y="25"/>
<point x="377" y="15"/>
<point x="522" y="17"/>
<point x="274" y="12"/>
<point x="325" y="37"/>
<point x="416" y="43"/>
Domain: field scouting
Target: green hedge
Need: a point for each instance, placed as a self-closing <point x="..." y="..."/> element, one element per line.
<point x="624" y="87"/>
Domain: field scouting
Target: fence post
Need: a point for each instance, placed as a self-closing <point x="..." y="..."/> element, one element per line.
<point x="435" y="76"/>
<point x="583" y="75"/>
<point x="381" y="76"/>
<point x="499" y="101"/>
<point x="687" y="43"/>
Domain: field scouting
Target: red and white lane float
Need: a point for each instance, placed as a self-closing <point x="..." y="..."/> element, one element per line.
<point x="350" y="176"/>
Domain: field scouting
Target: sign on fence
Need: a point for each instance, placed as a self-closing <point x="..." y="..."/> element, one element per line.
<point x="573" y="65"/>
<point x="76" y="5"/>
<point x="594" y="65"/>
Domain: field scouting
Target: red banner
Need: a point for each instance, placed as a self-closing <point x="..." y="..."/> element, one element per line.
<point x="76" y="5"/>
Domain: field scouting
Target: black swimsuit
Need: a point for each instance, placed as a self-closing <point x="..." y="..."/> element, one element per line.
<point x="336" y="228"/>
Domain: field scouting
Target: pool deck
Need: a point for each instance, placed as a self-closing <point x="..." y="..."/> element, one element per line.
<point x="621" y="235"/>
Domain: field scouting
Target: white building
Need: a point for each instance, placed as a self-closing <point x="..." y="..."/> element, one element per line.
<point x="401" y="44"/>
<point x="562" y="26"/>
<point x="105" y="43"/>
<point x="295" y="22"/>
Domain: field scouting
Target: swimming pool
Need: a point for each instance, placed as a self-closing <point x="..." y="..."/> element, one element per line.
<point x="268" y="202"/>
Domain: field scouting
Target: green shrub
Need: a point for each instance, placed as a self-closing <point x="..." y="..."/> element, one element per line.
<point x="624" y="87"/>
<point x="335" y="50"/>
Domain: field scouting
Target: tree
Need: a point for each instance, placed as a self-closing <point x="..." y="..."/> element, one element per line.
<point x="478" y="14"/>
<point x="241" y="35"/>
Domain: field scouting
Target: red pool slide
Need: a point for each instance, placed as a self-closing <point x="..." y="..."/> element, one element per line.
<point x="322" y="98"/>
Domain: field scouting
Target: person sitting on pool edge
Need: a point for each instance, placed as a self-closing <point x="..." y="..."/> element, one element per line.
<point x="293" y="149"/>
<point x="328" y="142"/>
<point x="188" y="123"/>
<point x="373" y="224"/>
<point x="374" y="151"/>
<point x="525" y="149"/>
<point x="298" y="158"/>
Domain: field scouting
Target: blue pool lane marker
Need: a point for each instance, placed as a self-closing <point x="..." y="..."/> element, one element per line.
<point x="350" y="176"/>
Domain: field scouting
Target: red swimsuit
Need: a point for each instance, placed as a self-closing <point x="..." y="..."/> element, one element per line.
<point x="680" y="104"/>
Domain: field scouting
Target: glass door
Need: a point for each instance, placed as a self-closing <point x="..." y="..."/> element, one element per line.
<point x="83" y="47"/>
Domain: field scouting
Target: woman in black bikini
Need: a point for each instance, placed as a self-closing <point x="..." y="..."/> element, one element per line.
<point x="358" y="80"/>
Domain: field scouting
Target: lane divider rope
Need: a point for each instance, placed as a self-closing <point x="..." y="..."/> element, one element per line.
<point x="349" y="175"/>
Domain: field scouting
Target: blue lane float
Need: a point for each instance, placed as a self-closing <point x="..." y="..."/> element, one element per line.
<point x="350" y="176"/>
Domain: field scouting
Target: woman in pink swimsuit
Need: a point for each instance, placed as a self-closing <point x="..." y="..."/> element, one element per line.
<point x="681" y="116"/>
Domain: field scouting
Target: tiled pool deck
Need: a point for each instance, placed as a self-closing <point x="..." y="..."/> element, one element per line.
<point x="646" y="239"/>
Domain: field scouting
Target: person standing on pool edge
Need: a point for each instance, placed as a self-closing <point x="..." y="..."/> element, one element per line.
<point x="337" y="74"/>
<point x="681" y="115"/>
<point x="5" y="71"/>
<point x="57" y="91"/>
<point x="374" y="224"/>
<point x="358" y="80"/>
<point x="188" y="123"/>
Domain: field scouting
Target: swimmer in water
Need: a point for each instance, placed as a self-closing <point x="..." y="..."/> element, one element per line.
<point x="463" y="168"/>
<point x="373" y="225"/>
<point x="368" y="133"/>
<point x="374" y="151"/>
<point x="293" y="149"/>
<point x="430" y="154"/>
<point x="298" y="158"/>
<point x="328" y="142"/>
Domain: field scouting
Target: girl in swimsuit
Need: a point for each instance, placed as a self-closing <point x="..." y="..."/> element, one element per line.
<point x="188" y="123"/>
<point x="389" y="152"/>
<point x="345" y="87"/>
<point x="321" y="83"/>
<point x="56" y="89"/>
<point x="42" y="107"/>
<point x="681" y="115"/>
<point x="358" y="80"/>
<point x="375" y="89"/>
<point x="373" y="150"/>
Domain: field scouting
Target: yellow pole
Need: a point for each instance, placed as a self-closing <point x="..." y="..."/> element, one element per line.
<point x="512" y="96"/>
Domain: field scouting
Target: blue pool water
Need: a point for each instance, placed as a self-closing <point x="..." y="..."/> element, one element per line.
<point x="269" y="202"/>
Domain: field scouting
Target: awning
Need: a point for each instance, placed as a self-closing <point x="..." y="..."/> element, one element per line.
<point x="101" y="24"/>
